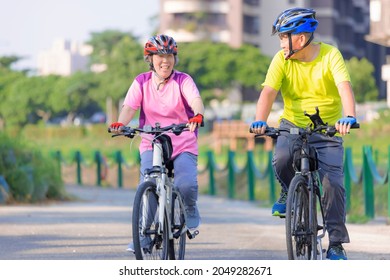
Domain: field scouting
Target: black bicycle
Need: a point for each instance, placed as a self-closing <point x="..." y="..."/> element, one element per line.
<point x="305" y="225"/>
<point x="159" y="216"/>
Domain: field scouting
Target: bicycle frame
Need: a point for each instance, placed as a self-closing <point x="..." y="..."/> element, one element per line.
<point x="165" y="190"/>
<point x="164" y="186"/>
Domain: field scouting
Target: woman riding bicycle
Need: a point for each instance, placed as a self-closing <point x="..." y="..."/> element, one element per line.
<point x="167" y="96"/>
<point x="309" y="74"/>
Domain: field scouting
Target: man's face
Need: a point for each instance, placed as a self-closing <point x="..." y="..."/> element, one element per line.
<point x="297" y="40"/>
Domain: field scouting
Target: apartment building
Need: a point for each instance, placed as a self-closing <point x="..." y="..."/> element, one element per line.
<point x="380" y="34"/>
<point x="379" y="22"/>
<point x="230" y="21"/>
<point x="343" y="23"/>
<point x="64" y="58"/>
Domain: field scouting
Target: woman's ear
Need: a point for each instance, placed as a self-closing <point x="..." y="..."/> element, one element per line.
<point x="176" y="60"/>
<point x="149" y="59"/>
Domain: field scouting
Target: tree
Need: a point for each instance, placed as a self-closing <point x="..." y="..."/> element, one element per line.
<point x="362" y="78"/>
<point x="74" y="94"/>
<point x="8" y="79"/>
<point x="122" y="55"/>
<point x="124" y="63"/>
<point x="31" y="98"/>
<point x="7" y="61"/>
<point x="216" y="67"/>
<point x="251" y="66"/>
<point x="104" y="42"/>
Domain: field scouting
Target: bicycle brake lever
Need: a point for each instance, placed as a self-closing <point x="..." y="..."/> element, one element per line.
<point x="178" y="129"/>
<point x="331" y="131"/>
<point x="272" y="132"/>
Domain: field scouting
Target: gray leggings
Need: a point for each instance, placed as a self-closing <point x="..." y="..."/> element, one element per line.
<point x="330" y="155"/>
<point x="186" y="174"/>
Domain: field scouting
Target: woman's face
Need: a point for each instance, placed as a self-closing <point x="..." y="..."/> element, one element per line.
<point x="163" y="64"/>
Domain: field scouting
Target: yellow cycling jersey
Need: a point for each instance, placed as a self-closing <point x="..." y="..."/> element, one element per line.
<point x="306" y="85"/>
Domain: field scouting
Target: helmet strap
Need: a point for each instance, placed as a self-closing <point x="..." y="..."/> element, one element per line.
<point x="295" y="51"/>
<point x="164" y="80"/>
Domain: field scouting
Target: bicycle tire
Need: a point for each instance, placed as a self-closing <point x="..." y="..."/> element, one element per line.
<point x="314" y="228"/>
<point x="177" y="245"/>
<point x="320" y="220"/>
<point x="298" y="232"/>
<point x="148" y="243"/>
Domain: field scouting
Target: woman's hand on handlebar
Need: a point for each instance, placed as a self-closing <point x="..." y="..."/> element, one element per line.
<point x="116" y="127"/>
<point x="195" y="122"/>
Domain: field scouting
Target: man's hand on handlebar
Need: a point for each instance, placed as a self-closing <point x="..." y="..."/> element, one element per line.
<point x="258" y="127"/>
<point x="343" y="125"/>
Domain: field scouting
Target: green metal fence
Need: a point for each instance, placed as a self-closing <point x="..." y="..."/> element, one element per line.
<point x="368" y="176"/>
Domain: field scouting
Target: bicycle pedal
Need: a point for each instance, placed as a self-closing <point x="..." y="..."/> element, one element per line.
<point x="193" y="234"/>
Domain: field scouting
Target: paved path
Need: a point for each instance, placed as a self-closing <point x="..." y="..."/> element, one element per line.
<point x="98" y="227"/>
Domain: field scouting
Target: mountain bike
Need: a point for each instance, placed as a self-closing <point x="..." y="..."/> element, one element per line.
<point x="305" y="224"/>
<point x="159" y="216"/>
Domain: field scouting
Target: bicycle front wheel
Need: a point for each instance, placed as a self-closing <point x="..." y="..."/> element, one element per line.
<point x="150" y="240"/>
<point x="177" y="245"/>
<point x="298" y="227"/>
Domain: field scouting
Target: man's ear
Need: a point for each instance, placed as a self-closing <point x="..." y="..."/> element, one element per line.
<point x="303" y="39"/>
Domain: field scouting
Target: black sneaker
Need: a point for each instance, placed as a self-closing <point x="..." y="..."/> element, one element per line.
<point x="336" y="252"/>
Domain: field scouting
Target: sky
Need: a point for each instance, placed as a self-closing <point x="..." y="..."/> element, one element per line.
<point x="28" y="27"/>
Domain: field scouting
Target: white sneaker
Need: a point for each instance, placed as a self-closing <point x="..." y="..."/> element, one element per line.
<point x="145" y="243"/>
<point x="130" y="248"/>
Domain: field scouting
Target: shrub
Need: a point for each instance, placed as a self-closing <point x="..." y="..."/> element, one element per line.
<point x="30" y="175"/>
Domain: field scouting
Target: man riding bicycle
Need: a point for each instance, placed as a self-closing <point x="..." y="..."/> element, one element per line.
<point x="309" y="74"/>
<point x="167" y="96"/>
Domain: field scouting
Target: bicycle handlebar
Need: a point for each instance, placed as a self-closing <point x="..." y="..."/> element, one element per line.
<point x="329" y="130"/>
<point x="319" y="126"/>
<point x="130" y="132"/>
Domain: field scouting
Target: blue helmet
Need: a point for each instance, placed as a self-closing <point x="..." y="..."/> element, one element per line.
<point x="294" y="21"/>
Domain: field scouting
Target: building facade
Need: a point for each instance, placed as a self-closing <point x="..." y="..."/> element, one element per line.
<point x="343" y="23"/>
<point x="216" y="21"/>
<point x="380" y="34"/>
<point x="64" y="58"/>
